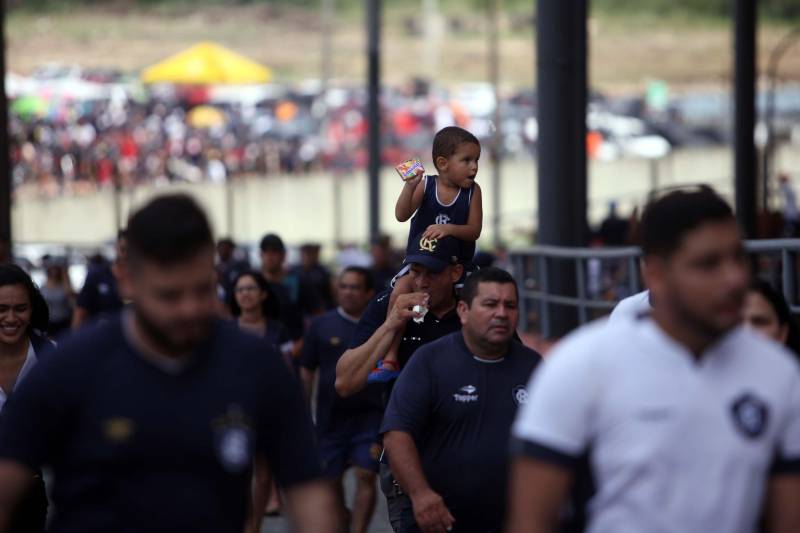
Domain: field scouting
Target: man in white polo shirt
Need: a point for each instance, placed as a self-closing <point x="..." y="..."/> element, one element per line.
<point x="687" y="420"/>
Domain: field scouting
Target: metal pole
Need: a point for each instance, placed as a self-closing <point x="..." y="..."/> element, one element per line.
<point x="5" y="163"/>
<point x="769" y="111"/>
<point x="562" y="77"/>
<point x="327" y="44"/>
<point x="432" y="40"/>
<point x="654" y="181"/>
<point x="374" y="113"/>
<point x="497" y="136"/>
<point x="229" y="208"/>
<point x="745" y="166"/>
<point x="521" y="276"/>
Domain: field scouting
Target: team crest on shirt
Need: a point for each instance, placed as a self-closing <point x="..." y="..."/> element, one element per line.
<point x="118" y="429"/>
<point x="441" y="218"/>
<point x="520" y="394"/>
<point x="427" y="245"/>
<point x="233" y="440"/>
<point x="336" y="341"/>
<point x="375" y="451"/>
<point x="751" y="415"/>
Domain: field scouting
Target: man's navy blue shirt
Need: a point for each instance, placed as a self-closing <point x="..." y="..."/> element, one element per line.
<point x="415" y="335"/>
<point x="135" y="447"/>
<point x="99" y="295"/>
<point x="459" y="409"/>
<point x="326" y="340"/>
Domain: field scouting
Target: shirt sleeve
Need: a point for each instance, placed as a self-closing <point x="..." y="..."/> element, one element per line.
<point x="39" y="413"/>
<point x="288" y="437"/>
<point x="374" y="316"/>
<point x="555" y="423"/>
<point x="309" y="358"/>
<point x="788" y="446"/>
<point x="411" y="399"/>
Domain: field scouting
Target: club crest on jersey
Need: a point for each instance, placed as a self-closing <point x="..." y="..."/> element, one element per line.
<point x="233" y="441"/>
<point x="441" y="218"/>
<point x="427" y="245"/>
<point x="520" y="394"/>
<point x="751" y="415"/>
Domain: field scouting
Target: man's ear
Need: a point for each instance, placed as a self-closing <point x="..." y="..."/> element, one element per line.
<point x="462" y="310"/>
<point x="122" y="273"/>
<point x="654" y="271"/>
<point x="456" y="272"/>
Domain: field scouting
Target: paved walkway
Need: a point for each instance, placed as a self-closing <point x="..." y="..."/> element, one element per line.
<point x="380" y="521"/>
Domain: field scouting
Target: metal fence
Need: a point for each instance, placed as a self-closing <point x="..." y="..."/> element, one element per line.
<point x="603" y="276"/>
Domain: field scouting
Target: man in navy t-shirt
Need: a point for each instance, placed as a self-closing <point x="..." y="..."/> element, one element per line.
<point x="152" y="420"/>
<point x="433" y="271"/>
<point x="347" y="428"/>
<point x="447" y="426"/>
<point x="99" y="298"/>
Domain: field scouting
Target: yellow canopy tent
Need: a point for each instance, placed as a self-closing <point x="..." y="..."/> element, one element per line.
<point x="206" y="64"/>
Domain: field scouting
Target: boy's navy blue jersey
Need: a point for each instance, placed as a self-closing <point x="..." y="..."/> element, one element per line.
<point x="135" y="447"/>
<point x="415" y="335"/>
<point x="432" y="211"/>
<point x="327" y="338"/>
<point x="459" y="410"/>
<point x="99" y="295"/>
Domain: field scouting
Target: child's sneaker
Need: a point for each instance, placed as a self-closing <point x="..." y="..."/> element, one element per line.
<point x="385" y="372"/>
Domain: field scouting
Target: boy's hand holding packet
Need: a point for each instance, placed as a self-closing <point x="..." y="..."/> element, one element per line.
<point x="411" y="169"/>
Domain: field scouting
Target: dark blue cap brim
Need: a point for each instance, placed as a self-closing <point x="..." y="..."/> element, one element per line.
<point x="431" y="263"/>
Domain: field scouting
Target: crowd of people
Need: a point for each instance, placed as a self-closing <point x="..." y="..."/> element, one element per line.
<point x="76" y="146"/>
<point x="181" y="396"/>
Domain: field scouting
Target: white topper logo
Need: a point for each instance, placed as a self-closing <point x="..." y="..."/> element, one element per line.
<point x="469" y="395"/>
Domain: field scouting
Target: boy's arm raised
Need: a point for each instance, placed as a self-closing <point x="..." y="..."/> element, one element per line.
<point x="410" y="197"/>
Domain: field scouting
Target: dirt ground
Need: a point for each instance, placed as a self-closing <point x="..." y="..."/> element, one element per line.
<point x="625" y="52"/>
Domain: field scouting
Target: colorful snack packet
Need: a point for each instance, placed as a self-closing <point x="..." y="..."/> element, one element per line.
<point x="408" y="169"/>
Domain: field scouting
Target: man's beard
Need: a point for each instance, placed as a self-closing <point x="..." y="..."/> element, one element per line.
<point x="161" y="339"/>
<point x="699" y="324"/>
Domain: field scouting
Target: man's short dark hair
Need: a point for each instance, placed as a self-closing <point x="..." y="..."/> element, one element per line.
<point x="485" y="275"/>
<point x="226" y="241"/>
<point x="667" y="220"/>
<point x="169" y="230"/>
<point x="366" y="276"/>
<point x="447" y="141"/>
<point x="272" y="243"/>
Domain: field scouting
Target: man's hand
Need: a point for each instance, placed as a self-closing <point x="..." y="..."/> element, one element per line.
<point x="437" y="231"/>
<point x="403" y="309"/>
<point x="430" y="512"/>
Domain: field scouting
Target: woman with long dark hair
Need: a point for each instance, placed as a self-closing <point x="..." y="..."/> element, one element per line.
<point x="256" y="308"/>
<point x="24" y="319"/>
<point x="766" y="311"/>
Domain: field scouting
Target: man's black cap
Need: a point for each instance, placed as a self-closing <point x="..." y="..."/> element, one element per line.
<point x="433" y="254"/>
